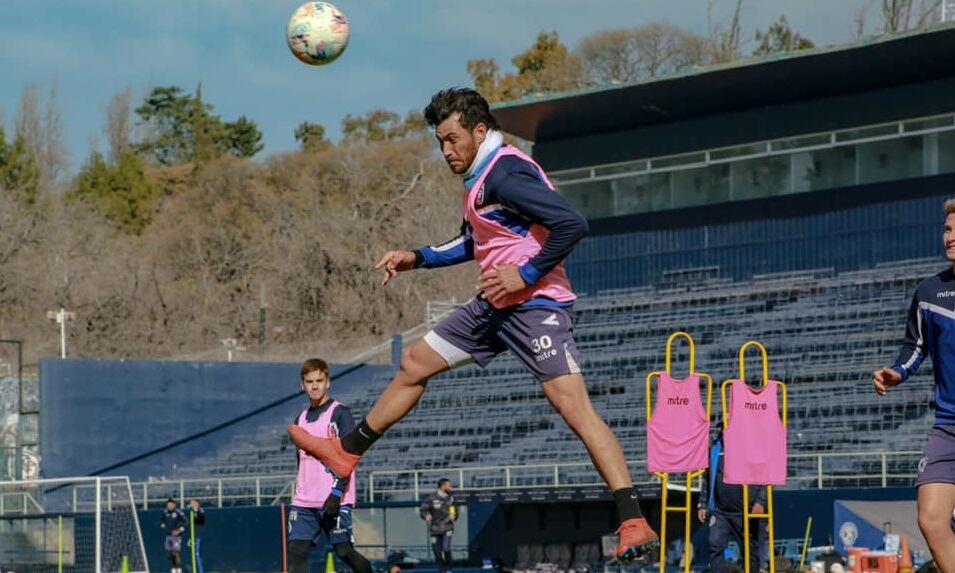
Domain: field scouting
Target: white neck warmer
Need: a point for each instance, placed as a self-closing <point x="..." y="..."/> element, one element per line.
<point x="492" y="141"/>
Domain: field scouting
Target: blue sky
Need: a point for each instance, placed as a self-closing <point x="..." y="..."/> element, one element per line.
<point x="400" y="51"/>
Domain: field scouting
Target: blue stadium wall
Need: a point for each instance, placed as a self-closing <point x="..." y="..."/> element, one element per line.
<point x="143" y="418"/>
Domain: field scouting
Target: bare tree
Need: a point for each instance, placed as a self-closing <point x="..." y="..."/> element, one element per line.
<point x="632" y="54"/>
<point x="859" y="22"/>
<point x="118" y="124"/>
<point x="902" y="15"/>
<point x="725" y="42"/>
<point x="52" y="156"/>
<point x="43" y="135"/>
<point x="27" y="121"/>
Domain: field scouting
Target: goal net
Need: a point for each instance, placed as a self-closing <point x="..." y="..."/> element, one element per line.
<point x="73" y="525"/>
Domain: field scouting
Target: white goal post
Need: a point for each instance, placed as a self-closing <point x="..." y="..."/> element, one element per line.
<point x="81" y="524"/>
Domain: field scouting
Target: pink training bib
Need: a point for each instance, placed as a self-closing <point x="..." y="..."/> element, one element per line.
<point x="496" y="244"/>
<point x="755" y="438"/>
<point x="314" y="483"/>
<point x="678" y="431"/>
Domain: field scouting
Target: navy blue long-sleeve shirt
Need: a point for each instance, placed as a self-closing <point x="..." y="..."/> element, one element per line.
<point x="172" y="521"/>
<point x="516" y="185"/>
<point x="930" y="331"/>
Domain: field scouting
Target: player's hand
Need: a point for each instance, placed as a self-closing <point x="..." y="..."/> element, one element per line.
<point x="758" y="508"/>
<point x="500" y="281"/>
<point x="701" y="514"/>
<point x="394" y="262"/>
<point x="331" y="506"/>
<point x="427" y="518"/>
<point x="885" y="378"/>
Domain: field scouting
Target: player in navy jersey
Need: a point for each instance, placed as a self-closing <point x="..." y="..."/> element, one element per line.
<point x="173" y="524"/>
<point x="930" y="331"/>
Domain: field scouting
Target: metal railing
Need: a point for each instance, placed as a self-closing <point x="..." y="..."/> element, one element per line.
<point x="216" y="492"/>
<point x="18" y="503"/>
<point x="825" y="469"/>
<point x="806" y="471"/>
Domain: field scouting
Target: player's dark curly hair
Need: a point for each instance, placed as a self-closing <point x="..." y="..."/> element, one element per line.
<point x="472" y="106"/>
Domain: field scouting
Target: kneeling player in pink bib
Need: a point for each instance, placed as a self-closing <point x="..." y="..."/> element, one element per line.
<point x="518" y="230"/>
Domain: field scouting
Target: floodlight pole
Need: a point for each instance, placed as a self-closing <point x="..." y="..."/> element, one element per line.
<point x="61" y="317"/>
<point x="231" y="345"/>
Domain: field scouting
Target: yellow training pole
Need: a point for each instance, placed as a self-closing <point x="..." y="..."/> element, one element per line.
<point x="192" y="538"/>
<point x="746" y="516"/>
<point x="772" y="529"/>
<point x="59" y="544"/>
<point x="663" y="521"/>
<point x="687" y="558"/>
<point x="805" y="545"/>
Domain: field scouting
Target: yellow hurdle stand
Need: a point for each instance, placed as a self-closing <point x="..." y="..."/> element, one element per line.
<point x="664" y="477"/>
<point x="768" y="514"/>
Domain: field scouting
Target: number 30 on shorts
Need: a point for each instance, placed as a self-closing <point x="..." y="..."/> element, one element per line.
<point x="541" y="343"/>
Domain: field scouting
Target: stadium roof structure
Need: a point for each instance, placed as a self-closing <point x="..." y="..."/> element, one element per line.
<point x="873" y="63"/>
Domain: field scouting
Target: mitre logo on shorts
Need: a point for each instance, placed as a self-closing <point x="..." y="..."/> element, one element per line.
<point x="945" y="294"/>
<point x="675" y="401"/>
<point x="922" y="463"/>
<point x="479" y="200"/>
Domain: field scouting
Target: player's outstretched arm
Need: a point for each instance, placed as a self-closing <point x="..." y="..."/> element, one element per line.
<point x="394" y="262"/>
<point x="885" y="378"/>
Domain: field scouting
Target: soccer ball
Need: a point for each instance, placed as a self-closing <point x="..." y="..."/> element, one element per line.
<point x="317" y="33"/>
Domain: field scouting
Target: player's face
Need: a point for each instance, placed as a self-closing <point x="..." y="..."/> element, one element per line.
<point x="948" y="237"/>
<point x="170" y="505"/>
<point x="459" y="145"/>
<point x="315" y="384"/>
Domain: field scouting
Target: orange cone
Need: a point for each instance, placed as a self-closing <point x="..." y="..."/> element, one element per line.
<point x="905" y="560"/>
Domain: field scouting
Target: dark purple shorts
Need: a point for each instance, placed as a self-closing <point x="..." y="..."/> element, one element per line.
<point x="938" y="457"/>
<point x="541" y="337"/>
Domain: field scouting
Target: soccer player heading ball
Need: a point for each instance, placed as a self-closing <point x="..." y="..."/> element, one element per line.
<point x="519" y="230"/>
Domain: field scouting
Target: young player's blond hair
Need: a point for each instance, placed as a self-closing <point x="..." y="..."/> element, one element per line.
<point x="949" y="206"/>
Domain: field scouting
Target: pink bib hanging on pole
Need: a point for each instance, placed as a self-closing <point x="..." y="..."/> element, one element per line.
<point x="678" y="431"/>
<point x="755" y="437"/>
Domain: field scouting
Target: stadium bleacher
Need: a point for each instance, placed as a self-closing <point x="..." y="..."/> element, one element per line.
<point x="825" y="333"/>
